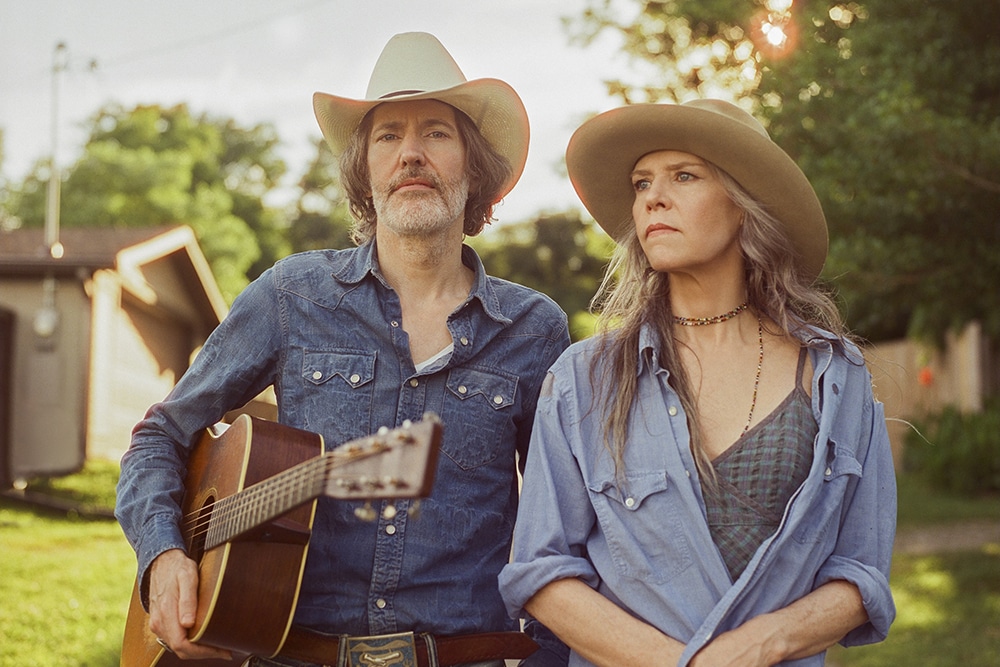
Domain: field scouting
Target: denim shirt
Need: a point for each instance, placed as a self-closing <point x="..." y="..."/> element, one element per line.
<point x="325" y="330"/>
<point x="644" y="542"/>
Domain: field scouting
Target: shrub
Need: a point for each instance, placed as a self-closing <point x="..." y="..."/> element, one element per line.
<point x="958" y="452"/>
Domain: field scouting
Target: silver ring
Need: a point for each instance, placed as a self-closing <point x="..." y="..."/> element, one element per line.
<point x="164" y="645"/>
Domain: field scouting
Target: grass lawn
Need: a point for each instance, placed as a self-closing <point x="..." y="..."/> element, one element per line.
<point x="65" y="582"/>
<point x="948" y="613"/>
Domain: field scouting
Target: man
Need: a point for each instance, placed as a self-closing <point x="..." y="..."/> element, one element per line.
<point x="357" y="339"/>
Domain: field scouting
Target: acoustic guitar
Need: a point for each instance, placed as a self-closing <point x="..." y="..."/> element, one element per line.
<point x="250" y="497"/>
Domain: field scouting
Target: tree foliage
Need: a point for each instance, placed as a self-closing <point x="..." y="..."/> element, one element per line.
<point x="893" y="111"/>
<point x="321" y="218"/>
<point x="151" y="166"/>
<point x="559" y="255"/>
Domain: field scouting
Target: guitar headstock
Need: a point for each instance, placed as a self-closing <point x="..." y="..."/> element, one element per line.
<point x="392" y="463"/>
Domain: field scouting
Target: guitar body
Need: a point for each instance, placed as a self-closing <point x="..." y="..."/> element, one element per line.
<point x="248" y="587"/>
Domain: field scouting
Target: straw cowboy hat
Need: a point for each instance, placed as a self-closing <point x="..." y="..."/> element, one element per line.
<point x="416" y="66"/>
<point x="603" y="151"/>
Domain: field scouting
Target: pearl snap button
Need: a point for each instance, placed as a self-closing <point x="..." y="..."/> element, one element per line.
<point x="463" y="389"/>
<point x="355" y="378"/>
<point x="317" y="375"/>
<point x="672" y="411"/>
<point x="630" y="502"/>
<point x="414" y="382"/>
<point x="498" y="399"/>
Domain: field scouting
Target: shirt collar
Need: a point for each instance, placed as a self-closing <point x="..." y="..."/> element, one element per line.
<point x="649" y="349"/>
<point x="364" y="262"/>
<point x="649" y="344"/>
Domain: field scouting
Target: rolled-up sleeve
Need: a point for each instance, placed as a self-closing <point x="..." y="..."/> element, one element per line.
<point x="863" y="554"/>
<point x="555" y="515"/>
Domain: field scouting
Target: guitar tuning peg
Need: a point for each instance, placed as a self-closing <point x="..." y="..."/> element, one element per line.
<point x="414" y="510"/>
<point x="365" y="512"/>
<point x="389" y="513"/>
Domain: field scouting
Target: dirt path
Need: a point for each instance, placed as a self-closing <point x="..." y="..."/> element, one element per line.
<point x="962" y="536"/>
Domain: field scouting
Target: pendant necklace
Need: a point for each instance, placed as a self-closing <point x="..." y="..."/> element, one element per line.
<point x="756" y="380"/>
<point x="702" y="321"/>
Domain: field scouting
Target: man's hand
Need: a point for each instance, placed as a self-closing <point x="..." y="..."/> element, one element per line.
<point x="173" y="602"/>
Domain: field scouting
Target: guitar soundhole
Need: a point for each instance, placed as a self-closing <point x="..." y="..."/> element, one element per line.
<point x="200" y="530"/>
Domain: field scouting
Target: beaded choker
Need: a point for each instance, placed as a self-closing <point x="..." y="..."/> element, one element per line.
<point x="702" y="321"/>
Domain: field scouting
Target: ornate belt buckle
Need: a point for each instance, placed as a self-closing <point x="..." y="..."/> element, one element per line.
<point x="397" y="650"/>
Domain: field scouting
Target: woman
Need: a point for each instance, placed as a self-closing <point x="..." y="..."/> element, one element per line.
<point x="709" y="480"/>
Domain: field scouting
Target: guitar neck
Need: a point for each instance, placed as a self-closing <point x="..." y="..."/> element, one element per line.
<point x="229" y="518"/>
<point x="396" y="463"/>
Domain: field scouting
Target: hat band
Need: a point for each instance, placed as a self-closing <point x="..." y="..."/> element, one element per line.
<point x="400" y="92"/>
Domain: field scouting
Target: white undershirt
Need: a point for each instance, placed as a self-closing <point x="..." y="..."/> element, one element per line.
<point x="443" y="354"/>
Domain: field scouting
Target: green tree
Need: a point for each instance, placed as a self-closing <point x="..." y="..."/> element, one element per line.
<point x="152" y="166"/>
<point x="7" y="221"/>
<point x="892" y="111"/>
<point x="321" y="218"/>
<point x="559" y="255"/>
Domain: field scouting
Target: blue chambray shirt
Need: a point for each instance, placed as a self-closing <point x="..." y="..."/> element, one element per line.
<point x="645" y="544"/>
<point x="325" y="329"/>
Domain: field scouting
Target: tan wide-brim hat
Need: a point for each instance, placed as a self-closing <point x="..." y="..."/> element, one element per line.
<point x="604" y="150"/>
<point x="416" y="66"/>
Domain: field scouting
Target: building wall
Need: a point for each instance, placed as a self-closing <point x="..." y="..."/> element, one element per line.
<point x="139" y="353"/>
<point x="48" y="398"/>
<point x="912" y="379"/>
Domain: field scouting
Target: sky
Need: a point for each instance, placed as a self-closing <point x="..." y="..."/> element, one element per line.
<point x="259" y="61"/>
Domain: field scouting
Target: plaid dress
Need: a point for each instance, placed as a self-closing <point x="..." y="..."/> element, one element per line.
<point x="758" y="475"/>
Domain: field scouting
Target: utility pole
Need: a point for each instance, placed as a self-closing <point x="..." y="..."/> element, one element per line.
<point x="60" y="61"/>
<point x="46" y="320"/>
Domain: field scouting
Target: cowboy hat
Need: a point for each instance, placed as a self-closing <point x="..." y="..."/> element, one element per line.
<point x="603" y="151"/>
<point x="416" y="66"/>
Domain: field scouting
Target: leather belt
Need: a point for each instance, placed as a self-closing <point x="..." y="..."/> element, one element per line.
<point x="430" y="650"/>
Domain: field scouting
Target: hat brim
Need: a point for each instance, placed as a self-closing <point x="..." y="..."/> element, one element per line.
<point x="604" y="150"/>
<point x="494" y="107"/>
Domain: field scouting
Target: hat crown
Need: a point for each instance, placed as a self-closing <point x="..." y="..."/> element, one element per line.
<point x="413" y="62"/>
<point x="730" y="111"/>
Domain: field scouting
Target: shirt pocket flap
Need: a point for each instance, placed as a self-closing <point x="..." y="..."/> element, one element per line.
<point x="354" y="367"/>
<point x="638" y="487"/>
<point x="840" y="462"/>
<point x="498" y="390"/>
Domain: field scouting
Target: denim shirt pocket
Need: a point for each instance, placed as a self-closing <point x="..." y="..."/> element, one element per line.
<point x="478" y="407"/>
<point x="339" y="391"/>
<point x="842" y="470"/>
<point x="642" y="526"/>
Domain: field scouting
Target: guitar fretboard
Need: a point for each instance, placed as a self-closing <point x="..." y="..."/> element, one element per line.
<point x="266" y="501"/>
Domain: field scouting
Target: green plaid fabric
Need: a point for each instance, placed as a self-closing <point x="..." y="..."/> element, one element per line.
<point x="758" y="475"/>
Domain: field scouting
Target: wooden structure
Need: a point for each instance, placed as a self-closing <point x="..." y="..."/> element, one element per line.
<point x="90" y="339"/>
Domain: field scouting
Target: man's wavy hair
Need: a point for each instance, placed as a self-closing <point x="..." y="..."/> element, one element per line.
<point x="488" y="172"/>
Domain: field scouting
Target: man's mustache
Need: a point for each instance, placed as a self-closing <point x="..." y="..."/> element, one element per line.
<point x="413" y="174"/>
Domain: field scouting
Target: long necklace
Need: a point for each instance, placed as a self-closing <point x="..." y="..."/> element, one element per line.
<point x="756" y="381"/>
<point x="702" y="321"/>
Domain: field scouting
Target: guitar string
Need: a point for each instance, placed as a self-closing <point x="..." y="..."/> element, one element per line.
<point x="235" y="506"/>
<point x="304" y="475"/>
<point x="224" y="508"/>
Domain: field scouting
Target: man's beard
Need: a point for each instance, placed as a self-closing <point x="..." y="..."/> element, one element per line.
<point x="418" y="213"/>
